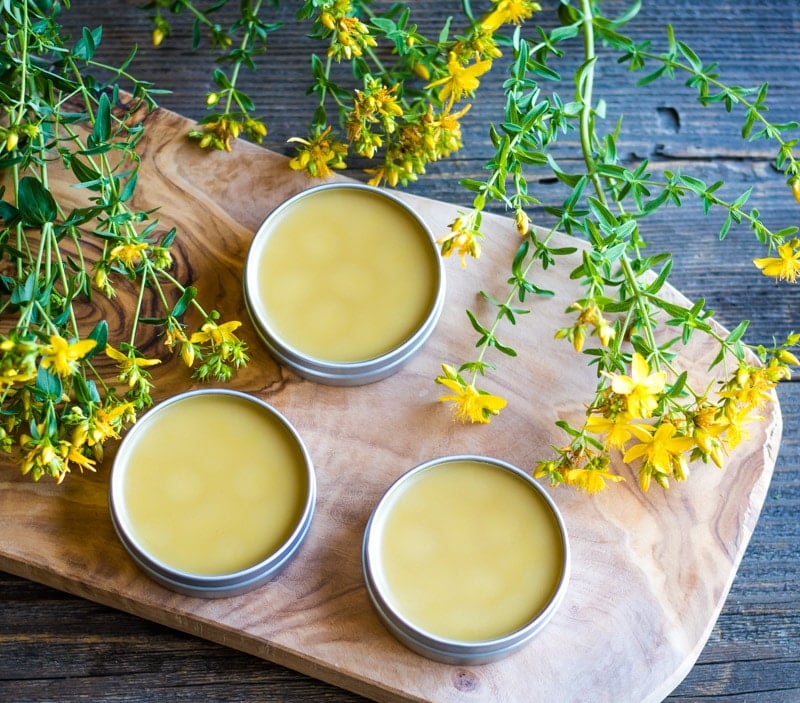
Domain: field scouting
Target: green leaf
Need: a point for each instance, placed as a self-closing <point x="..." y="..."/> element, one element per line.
<point x="738" y="332"/>
<point x="35" y="203"/>
<point x="86" y="46"/>
<point x="100" y="335"/>
<point x="24" y="293"/>
<point x="102" y="122"/>
<point x="183" y="302"/>
<point x="86" y="175"/>
<point x="480" y="329"/>
<point x="86" y="390"/>
<point x="690" y="56"/>
<point x="445" y="31"/>
<point x="48" y="384"/>
<point x="129" y="188"/>
<point x="656" y="285"/>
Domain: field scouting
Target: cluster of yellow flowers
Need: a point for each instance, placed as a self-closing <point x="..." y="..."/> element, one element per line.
<point x="350" y="37"/>
<point x="410" y="135"/>
<point x="47" y="448"/>
<point x="69" y="432"/>
<point x="220" y="132"/>
<point x="636" y="417"/>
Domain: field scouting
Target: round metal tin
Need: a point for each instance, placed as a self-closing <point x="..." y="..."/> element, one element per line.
<point x="312" y="367"/>
<point x="432" y="646"/>
<point x="201" y="584"/>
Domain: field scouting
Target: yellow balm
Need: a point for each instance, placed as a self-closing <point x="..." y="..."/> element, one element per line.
<point x="469" y="551"/>
<point x="343" y="274"/>
<point x="211" y="484"/>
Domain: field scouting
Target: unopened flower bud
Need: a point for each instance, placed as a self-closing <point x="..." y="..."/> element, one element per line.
<point x="786" y="357"/>
<point x="158" y="36"/>
<point x="187" y="353"/>
<point x="212" y="99"/>
<point x="579" y="338"/>
<point x="522" y="222"/>
<point x="12" y="139"/>
<point x="796" y="188"/>
<point x="327" y="20"/>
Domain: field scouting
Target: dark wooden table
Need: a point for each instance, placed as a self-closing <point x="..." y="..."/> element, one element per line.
<point x="57" y="647"/>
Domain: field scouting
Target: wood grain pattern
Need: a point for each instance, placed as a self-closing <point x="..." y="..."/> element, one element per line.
<point x="650" y="573"/>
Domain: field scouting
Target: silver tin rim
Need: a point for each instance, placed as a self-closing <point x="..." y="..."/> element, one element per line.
<point x="342" y="373"/>
<point x="442" y="649"/>
<point x="209" y="585"/>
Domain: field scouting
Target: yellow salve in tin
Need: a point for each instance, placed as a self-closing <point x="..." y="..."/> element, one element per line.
<point x="344" y="275"/>
<point x="213" y="484"/>
<point x="469" y="552"/>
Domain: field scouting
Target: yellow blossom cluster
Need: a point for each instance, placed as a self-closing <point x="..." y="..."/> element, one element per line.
<point x="463" y="238"/>
<point x="375" y="105"/>
<point x="590" y="320"/>
<point x="404" y="135"/>
<point x="44" y="388"/>
<point x="350" y="36"/>
<point x="637" y="417"/>
<point x="34" y="378"/>
<point x="219" y="132"/>
<point x="319" y="155"/>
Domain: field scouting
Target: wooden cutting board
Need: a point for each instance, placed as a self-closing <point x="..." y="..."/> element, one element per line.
<point x="650" y="572"/>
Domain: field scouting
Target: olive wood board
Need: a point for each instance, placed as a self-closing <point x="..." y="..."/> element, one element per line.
<point x="650" y="572"/>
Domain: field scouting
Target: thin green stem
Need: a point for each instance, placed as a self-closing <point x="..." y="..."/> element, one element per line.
<point x="510" y="297"/>
<point x="585" y="97"/>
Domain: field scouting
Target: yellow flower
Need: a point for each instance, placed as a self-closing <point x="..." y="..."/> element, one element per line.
<point x="63" y="357"/>
<point x="377" y="103"/>
<point x="318" y="155"/>
<point x="129" y="254"/>
<point x="41" y="458"/>
<point x="508" y="12"/>
<point x="103" y="424"/>
<point x="752" y="386"/>
<point x="591" y="480"/>
<point x="460" y="80"/>
<point x="737" y="419"/>
<point x="641" y="389"/>
<point x="216" y="334"/>
<point x="350" y="38"/>
<point x="469" y="403"/>
<point x="130" y="365"/>
<point x="658" y="449"/>
<point x="447" y="131"/>
<point x="463" y="239"/>
<point x="76" y="456"/>
<point x="709" y="426"/>
<point x="617" y="429"/>
<point x="784" y="267"/>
